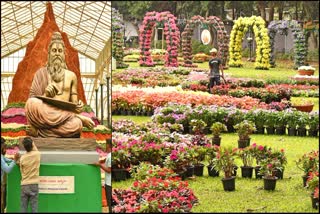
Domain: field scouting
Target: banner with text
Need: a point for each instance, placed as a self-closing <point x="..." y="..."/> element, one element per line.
<point x="56" y="184"/>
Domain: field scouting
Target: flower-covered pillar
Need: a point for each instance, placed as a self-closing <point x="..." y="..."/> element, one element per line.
<point x="217" y="24"/>
<point x="117" y="39"/>
<point x="300" y="49"/>
<point x="171" y="32"/>
<point x="239" y="29"/>
<point x="223" y="38"/>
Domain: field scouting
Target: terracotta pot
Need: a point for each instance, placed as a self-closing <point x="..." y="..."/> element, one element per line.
<point x="306" y="72"/>
<point x="304" y="108"/>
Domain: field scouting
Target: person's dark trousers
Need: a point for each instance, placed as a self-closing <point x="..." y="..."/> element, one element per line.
<point x="29" y="193"/>
<point x="109" y="196"/>
<point x="213" y="81"/>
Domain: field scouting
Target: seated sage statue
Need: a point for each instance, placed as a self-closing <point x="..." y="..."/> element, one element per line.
<point x="55" y="81"/>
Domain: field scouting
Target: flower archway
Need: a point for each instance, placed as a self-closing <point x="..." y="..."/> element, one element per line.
<point x="217" y="24"/>
<point x="117" y="39"/>
<point x="239" y="29"/>
<point x="172" y="36"/>
<point x="300" y="49"/>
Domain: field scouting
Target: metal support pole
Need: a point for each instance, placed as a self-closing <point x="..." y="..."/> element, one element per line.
<point x="108" y="102"/>
<point x="97" y="101"/>
<point x="101" y="87"/>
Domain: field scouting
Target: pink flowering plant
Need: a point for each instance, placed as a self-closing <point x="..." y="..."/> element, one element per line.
<point x="177" y="160"/>
<point x="225" y="160"/>
<point x="246" y="155"/>
<point x="269" y="167"/>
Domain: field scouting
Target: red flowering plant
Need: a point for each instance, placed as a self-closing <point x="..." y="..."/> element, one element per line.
<point x="269" y="167"/>
<point x="246" y="155"/>
<point x="177" y="160"/>
<point x="260" y="152"/>
<point x="309" y="162"/>
<point x="155" y="189"/>
<point x="225" y="160"/>
<point x="313" y="183"/>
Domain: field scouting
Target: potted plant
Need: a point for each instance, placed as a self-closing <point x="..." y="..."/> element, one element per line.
<point x="198" y="126"/>
<point x="280" y="123"/>
<point x="244" y="129"/>
<point x="313" y="124"/>
<point x="302" y="105"/>
<point x="247" y="157"/>
<point x="260" y="153"/>
<point x="306" y="70"/>
<point x="292" y="117"/>
<point x="210" y="157"/>
<point x="307" y="163"/>
<point x="216" y="129"/>
<point x="259" y="118"/>
<point x="177" y="161"/>
<point x="270" y="121"/>
<point x="279" y="155"/>
<point x="313" y="186"/>
<point x="302" y="123"/>
<point x="198" y="154"/>
<point x="268" y="171"/>
<point x="224" y="161"/>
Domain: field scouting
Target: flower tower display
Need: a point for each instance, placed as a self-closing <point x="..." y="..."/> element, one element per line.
<point x="211" y="21"/>
<point x="117" y="39"/>
<point x="300" y="46"/>
<point x="239" y="29"/>
<point x="171" y="32"/>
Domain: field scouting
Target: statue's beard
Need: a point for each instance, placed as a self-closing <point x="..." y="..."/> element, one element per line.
<point x="56" y="69"/>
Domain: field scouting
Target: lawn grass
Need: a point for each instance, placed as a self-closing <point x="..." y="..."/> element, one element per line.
<point x="289" y="195"/>
<point x="283" y="71"/>
<point x="136" y="119"/>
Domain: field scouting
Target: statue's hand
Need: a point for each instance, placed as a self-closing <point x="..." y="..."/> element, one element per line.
<point x="86" y="121"/>
<point x="79" y="107"/>
<point x="51" y="90"/>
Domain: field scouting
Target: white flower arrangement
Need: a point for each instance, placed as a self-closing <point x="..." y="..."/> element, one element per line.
<point x="306" y="68"/>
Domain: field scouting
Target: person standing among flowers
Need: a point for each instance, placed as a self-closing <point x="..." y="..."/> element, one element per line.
<point x="106" y="166"/>
<point x="216" y="66"/>
<point x="29" y="168"/>
<point x="6" y="167"/>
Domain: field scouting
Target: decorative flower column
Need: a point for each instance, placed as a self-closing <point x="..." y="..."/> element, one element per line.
<point x="171" y="33"/>
<point x="117" y="39"/>
<point x="217" y="24"/>
<point x="239" y="29"/>
<point x="300" y="47"/>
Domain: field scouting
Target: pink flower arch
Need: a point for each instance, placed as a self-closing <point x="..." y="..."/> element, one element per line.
<point x="172" y="36"/>
<point x="223" y="38"/>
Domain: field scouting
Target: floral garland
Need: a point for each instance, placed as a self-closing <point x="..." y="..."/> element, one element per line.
<point x="240" y="27"/>
<point x="214" y="21"/>
<point x="300" y="46"/>
<point x="117" y="39"/>
<point x="171" y="32"/>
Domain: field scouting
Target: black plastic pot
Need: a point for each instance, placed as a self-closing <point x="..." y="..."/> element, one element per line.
<point x="229" y="184"/>
<point x="302" y="132"/>
<point x="292" y="131"/>
<point x="198" y="169"/>
<point x="216" y="141"/>
<point x="190" y="171"/>
<point x="269" y="183"/>
<point x="260" y="130"/>
<point x="280" y="130"/>
<point x="243" y="143"/>
<point x="246" y="171"/>
<point x="270" y="130"/>
<point x="212" y="172"/>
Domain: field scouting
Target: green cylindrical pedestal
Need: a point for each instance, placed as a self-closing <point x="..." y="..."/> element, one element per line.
<point x="86" y="196"/>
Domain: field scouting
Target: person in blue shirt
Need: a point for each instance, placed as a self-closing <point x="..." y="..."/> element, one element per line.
<point x="6" y="167"/>
<point x="216" y="66"/>
<point x="106" y="166"/>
